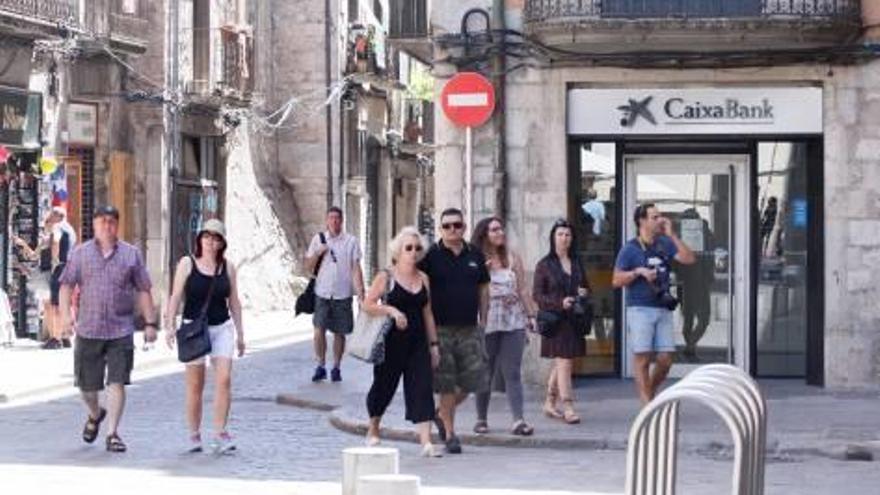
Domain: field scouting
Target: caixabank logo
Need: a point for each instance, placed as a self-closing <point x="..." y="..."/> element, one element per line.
<point x="682" y="111"/>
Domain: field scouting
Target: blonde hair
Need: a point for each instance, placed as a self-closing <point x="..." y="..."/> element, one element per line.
<point x="406" y="233"/>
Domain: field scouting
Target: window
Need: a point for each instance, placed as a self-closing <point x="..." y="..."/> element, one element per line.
<point x="594" y="217"/>
<point x="129" y="7"/>
<point x="377" y="11"/>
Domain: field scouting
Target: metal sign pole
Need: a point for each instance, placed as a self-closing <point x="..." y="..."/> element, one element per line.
<point x="469" y="176"/>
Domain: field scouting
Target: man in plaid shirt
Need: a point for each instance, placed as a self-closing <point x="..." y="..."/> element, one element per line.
<point x="112" y="281"/>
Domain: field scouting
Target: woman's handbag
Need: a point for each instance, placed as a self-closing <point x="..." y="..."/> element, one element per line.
<point x="193" y="337"/>
<point x="367" y="340"/>
<point x="548" y="322"/>
<point x="305" y="303"/>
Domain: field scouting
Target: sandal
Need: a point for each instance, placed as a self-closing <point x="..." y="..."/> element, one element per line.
<point x="115" y="444"/>
<point x="90" y="429"/>
<point x="568" y="415"/>
<point x="550" y="406"/>
<point x="482" y="427"/>
<point x="523" y="429"/>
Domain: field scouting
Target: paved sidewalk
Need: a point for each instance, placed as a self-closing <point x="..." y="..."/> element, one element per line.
<point x="28" y="371"/>
<point x="803" y="420"/>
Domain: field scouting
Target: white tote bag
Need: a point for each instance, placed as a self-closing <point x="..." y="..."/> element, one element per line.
<point x="367" y="340"/>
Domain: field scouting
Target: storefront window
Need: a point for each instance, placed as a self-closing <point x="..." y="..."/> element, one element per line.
<point x="782" y="232"/>
<point x="597" y="240"/>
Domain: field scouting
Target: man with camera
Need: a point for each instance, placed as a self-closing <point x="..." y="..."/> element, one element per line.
<point x="643" y="267"/>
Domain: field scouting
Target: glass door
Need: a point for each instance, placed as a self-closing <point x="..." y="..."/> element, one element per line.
<point x="705" y="197"/>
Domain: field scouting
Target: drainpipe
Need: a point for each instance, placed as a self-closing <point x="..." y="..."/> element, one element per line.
<point x="499" y="124"/>
<point x="327" y="111"/>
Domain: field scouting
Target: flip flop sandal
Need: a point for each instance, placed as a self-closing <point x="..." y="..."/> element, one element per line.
<point x="523" y="429"/>
<point x="90" y="429"/>
<point x="115" y="444"/>
<point x="481" y="428"/>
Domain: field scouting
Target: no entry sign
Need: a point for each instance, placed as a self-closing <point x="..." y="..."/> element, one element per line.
<point x="468" y="99"/>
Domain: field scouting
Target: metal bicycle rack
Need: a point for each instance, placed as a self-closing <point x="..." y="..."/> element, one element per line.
<point x="653" y="439"/>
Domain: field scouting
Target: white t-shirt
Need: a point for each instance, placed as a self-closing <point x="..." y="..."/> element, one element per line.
<point x="335" y="276"/>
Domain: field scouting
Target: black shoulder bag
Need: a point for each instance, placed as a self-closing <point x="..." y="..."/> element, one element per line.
<point x="305" y="303"/>
<point x="193" y="338"/>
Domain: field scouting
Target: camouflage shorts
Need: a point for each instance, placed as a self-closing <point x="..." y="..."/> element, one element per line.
<point x="463" y="360"/>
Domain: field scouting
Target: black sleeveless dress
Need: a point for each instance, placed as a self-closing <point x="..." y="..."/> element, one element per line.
<point x="406" y="354"/>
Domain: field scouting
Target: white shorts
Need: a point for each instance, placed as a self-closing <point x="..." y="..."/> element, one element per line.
<point x="222" y="342"/>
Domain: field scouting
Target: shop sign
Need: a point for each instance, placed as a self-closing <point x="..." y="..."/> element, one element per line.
<point x="82" y="124"/>
<point x="695" y="111"/>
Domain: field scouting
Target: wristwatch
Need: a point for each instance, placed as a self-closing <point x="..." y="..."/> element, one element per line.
<point x="154" y="325"/>
<point x="435" y="344"/>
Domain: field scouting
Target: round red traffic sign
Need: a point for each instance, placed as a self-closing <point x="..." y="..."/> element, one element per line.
<point x="468" y="99"/>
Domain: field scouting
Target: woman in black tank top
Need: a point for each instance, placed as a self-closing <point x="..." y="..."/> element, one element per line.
<point x="411" y="349"/>
<point x="205" y="280"/>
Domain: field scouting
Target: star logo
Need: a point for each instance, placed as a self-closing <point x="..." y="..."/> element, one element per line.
<point x="634" y="110"/>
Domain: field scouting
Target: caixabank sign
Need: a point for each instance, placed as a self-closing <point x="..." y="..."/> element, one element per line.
<point x="695" y="111"/>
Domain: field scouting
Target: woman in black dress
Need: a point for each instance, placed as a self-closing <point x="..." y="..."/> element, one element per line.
<point x="560" y="282"/>
<point x="411" y="348"/>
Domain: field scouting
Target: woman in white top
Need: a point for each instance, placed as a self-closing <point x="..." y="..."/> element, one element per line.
<point x="510" y="310"/>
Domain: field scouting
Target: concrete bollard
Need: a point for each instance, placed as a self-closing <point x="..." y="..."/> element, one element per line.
<point x="388" y="484"/>
<point x="362" y="461"/>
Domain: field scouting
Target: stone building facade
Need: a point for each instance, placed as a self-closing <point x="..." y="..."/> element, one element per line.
<point x="791" y="295"/>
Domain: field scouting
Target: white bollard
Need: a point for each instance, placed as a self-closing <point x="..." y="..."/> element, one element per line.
<point x="362" y="461"/>
<point x="388" y="484"/>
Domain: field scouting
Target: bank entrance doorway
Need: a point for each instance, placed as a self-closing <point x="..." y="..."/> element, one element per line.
<point x="706" y="198"/>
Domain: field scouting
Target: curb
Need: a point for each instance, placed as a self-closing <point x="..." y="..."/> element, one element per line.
<point x="294" y="401"/>
<point x="489" y="440"/>
<point x="151" y="365"/>
<point x="866" y="452"/>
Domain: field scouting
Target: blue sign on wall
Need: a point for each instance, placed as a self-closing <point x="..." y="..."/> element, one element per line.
<point x="799" y="213"/>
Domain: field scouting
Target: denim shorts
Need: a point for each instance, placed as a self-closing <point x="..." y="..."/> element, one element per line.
<point x="650" y="329"/>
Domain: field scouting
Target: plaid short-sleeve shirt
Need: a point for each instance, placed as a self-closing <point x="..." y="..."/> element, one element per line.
<point x="108" y="288"/>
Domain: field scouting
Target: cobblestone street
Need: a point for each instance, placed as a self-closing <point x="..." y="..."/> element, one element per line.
<point x="290" y="450"/>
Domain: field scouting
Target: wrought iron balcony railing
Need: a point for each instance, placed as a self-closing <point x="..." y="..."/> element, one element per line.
<point x="818" y="10"/>
<point x="56" y="11"/>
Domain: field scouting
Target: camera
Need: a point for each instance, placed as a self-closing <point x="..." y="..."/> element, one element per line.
<point x="667" y="300"/>
<point x="581" y="306"/>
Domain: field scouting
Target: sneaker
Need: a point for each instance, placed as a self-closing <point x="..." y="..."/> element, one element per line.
<point x="195" y="444"/>
<point x="222" y="444"/>
<point x="65" y="343"/>
<point x="52" y="344"/>
<point x="335" y="375"/>
<point x="320" y="374"/>
<point x="453" y="445"/>
<point x="428" y="450"/>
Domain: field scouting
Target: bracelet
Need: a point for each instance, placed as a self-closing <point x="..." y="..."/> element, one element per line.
<point x="434" y="344"/>
<point x="154" y="325"/>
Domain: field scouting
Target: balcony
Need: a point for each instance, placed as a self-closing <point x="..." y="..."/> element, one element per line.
<point x="221" y="64"/>
<point x="613" y="26"/>
<point x="34" y="19"/>
<point x="409" y="29"/>
<point x="129" y="27"/>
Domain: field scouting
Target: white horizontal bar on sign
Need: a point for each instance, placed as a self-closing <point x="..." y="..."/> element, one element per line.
<point x="468" y="100"/>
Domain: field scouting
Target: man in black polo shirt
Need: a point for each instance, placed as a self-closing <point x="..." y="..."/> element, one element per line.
<point x="459" y="294"/>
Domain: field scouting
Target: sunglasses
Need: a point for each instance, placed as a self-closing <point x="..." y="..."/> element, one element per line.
<point x="453" y="225"/>
<point x="412" y="247"/>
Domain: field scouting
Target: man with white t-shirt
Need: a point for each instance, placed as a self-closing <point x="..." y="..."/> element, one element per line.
<point x="339" y="278"/>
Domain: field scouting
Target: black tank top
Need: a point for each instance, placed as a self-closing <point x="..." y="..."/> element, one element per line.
<point x="411" y="305"/>
<point x="196" y="290"/>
